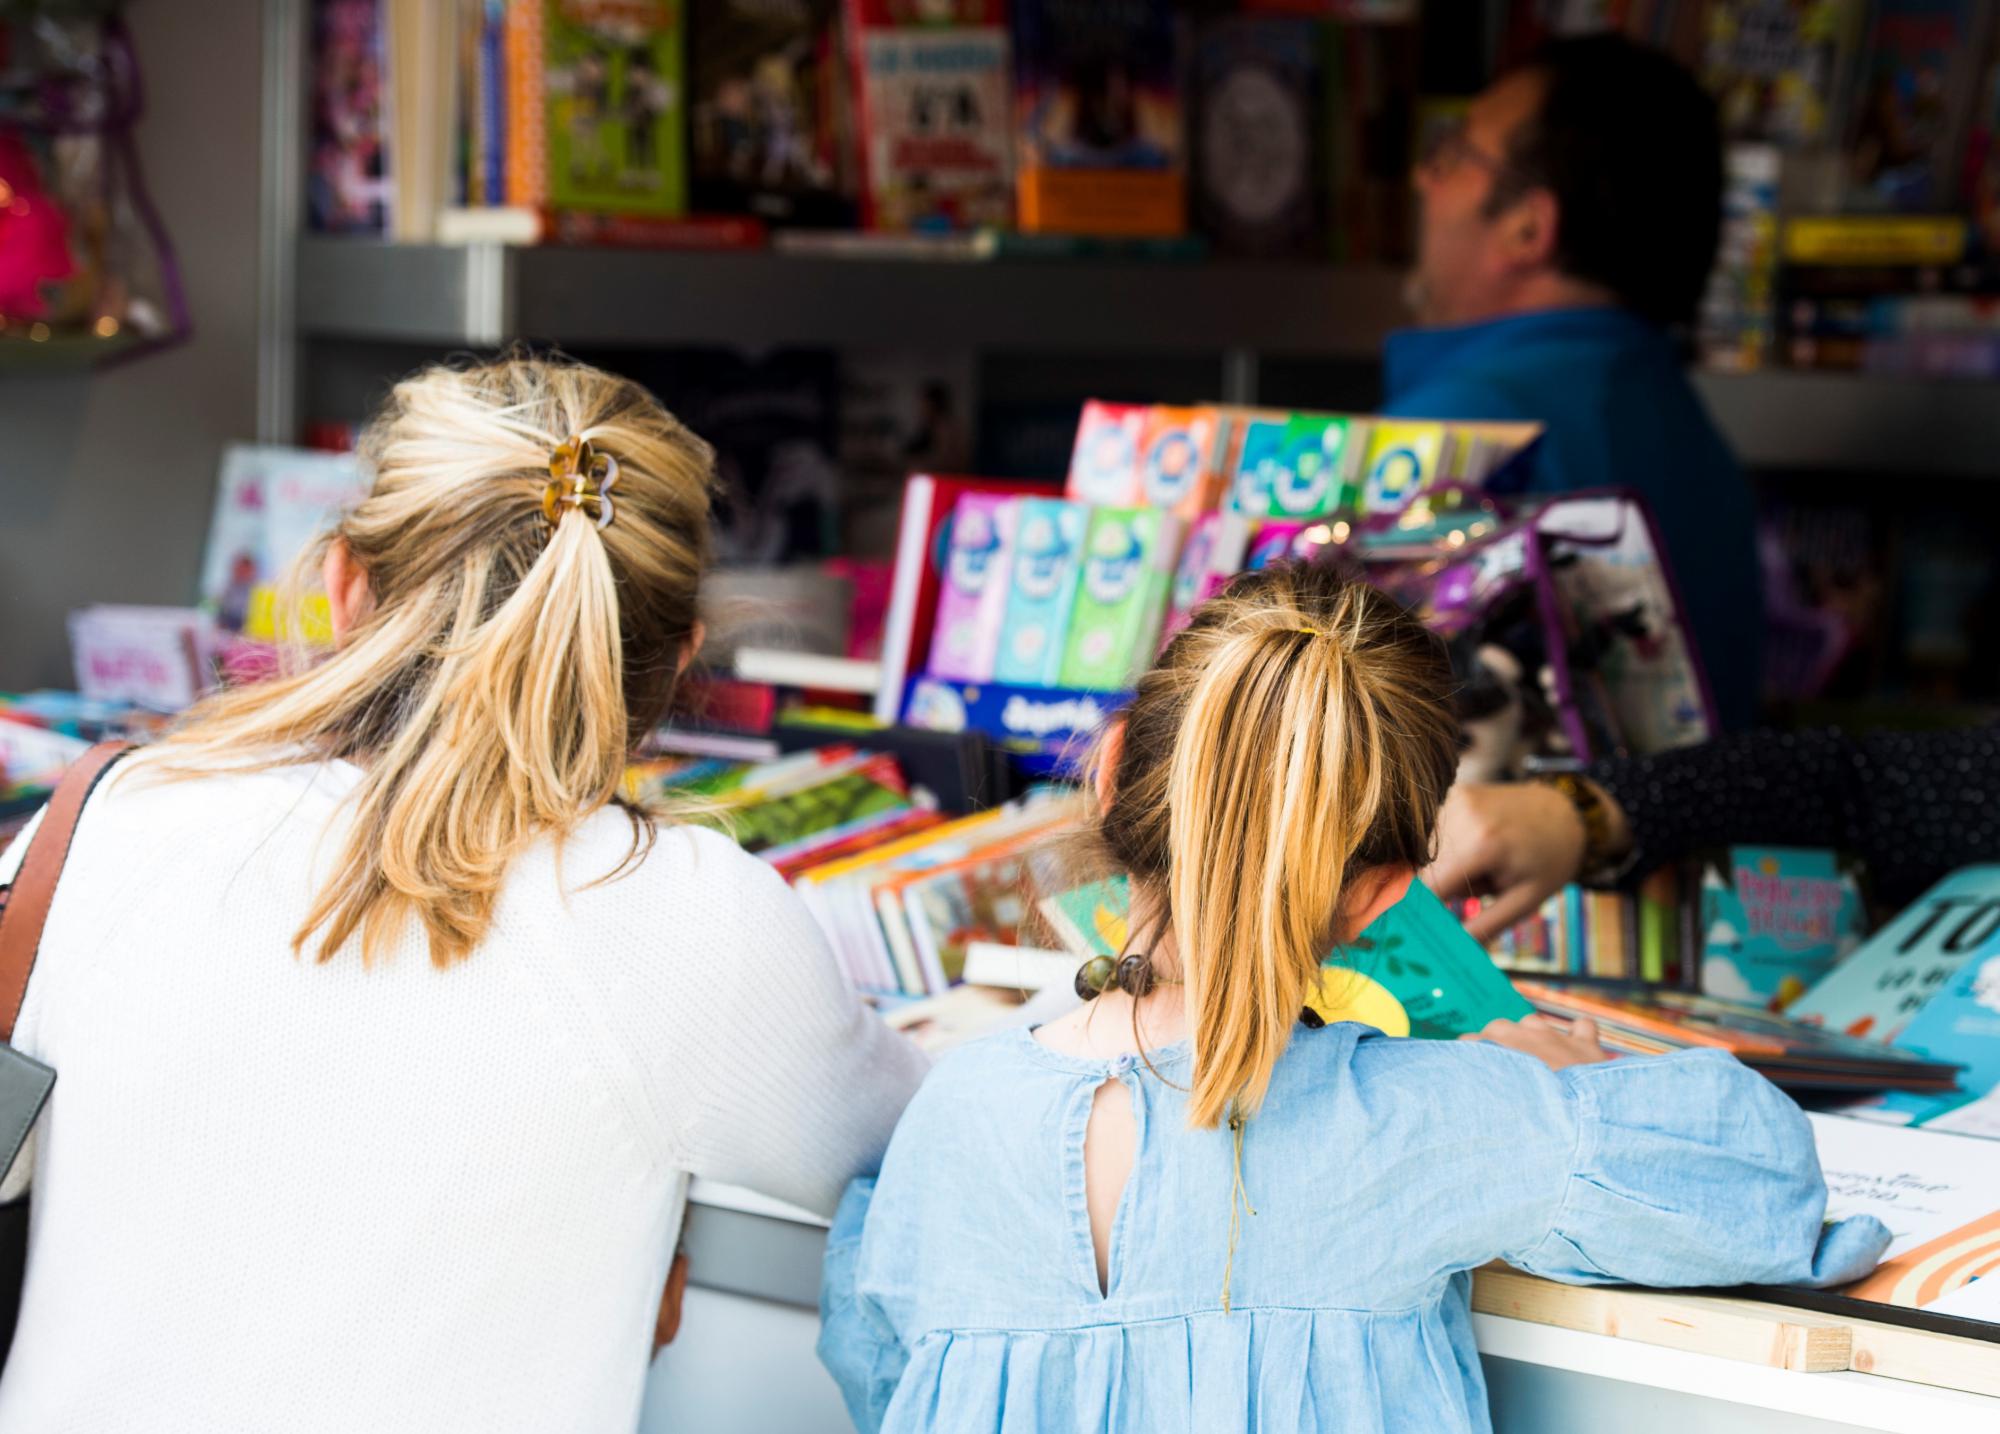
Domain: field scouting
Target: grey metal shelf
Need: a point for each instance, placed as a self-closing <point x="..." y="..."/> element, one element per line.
<point x="482" y="295"/>
<point x="486" y="294"/>
<point x="1870" y="423"/>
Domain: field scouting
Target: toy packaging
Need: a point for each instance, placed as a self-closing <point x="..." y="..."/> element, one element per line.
<point x="1127" y="568"/>
<point x="1272" y="543"/>
<point x="1048" y="554"/>
<point x="936" y="138"/>
<point x="1180" y="460"/>
<point x="972" y="605"/>
<point x="1403" y="460"/>
<point x="1298" y="465"/>
<point x="1098" y="112"/>
<point x="1104" y="469"/>
<point x="1217" y="548"/>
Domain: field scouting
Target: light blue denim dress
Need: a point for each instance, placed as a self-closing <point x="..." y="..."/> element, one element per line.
<point x="963" y="1295"/>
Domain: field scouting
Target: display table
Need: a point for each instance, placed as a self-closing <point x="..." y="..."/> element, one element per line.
<point x="1557" y="1358"/>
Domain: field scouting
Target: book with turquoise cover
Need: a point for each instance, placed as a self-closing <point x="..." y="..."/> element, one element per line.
<point x="1876" y="991"/>
<point x="1413" y="972"/>
<point x="1960" y="1024"/>
<point x="1775" y="920"/>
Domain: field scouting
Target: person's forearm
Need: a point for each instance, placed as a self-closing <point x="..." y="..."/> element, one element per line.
<point x="1911" y="805"/>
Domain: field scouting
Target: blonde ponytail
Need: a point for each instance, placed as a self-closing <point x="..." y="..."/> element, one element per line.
<point x="492" y="695"/>
<point x="1297" y="734"/>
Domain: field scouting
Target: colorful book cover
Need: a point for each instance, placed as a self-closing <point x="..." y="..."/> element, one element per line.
<point x="271" y="502"/>
<point x="1402" y="460"/>
<point x="347" y="174"/>
<point x="527" y="137"/>
<point x="1303" y="465"/>
<point x="1047" y="561"/>
<point x="1217" y="548"/>
<point x="1121" y="599"/>
<point x="765" y="89"/>
<point x="1104" y="468"/>
<point x="1413" y="972"/>
<point x="1777" y="68"/>
<point x="1099" y="117"/>
<point x="1257" y="149"/>
<point x="1919" y="71"/>
<point x="949" y="910"/>
<point x="936" y="138"/>
<point x="972" y="604"/>
<point x="1961" y="1024"/>
<point x="613" y="84"/>
<point x="1180" y="460"/>
<point x="1775" y="920"/>
<point x="822" y="807"/>
<point x="1875" y="991"/>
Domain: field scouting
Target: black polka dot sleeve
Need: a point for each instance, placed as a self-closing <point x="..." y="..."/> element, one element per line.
<point x="1912" y="805"/>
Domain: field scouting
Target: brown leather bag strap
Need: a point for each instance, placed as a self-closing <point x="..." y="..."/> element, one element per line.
<point x="34" y="887"/>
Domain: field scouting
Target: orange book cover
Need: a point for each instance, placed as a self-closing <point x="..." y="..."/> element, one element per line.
<point x="527" y="110"/>
<point x="1921" y="1276"/>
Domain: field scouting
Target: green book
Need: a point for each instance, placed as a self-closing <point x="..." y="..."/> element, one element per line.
<point x="614" y="93"/>
<point x="1414" y="972"/>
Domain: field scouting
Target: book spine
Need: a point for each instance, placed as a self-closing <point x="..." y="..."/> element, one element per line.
<point x="899" y="634"/>
<point x="527" y="103"/>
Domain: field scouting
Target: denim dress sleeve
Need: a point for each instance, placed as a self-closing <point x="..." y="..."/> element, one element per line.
<point x="856" y="1343"/>
<point x="1688" y="1170"/>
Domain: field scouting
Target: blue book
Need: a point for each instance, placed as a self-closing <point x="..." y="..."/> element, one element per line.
<point x="1875" y="992"/>
<point x="1048" y="543"/>
<point x="1960" y="1024"/>
<point x="1774" y="921"/>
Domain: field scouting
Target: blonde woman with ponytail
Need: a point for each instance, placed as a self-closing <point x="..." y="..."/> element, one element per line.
<point x="388" y="1039"/>
<point x="1194" y="1205"/>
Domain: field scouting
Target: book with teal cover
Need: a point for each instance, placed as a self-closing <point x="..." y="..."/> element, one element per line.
<point x="1413" y="972"/>
<point x="1775" y="920"/>
<point x="1961" y="1024"/>
<point x="1875" y="992"/>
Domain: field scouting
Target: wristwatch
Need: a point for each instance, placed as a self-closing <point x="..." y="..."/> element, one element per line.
<point x="1600" y="866"/>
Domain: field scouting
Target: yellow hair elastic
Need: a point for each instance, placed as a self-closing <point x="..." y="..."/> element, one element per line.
<point x="581" y="478"/>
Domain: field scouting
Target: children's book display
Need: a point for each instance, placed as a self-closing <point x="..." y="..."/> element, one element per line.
<point x="1413" y="972"/>
<point x="1961" y="1023"/>
<point x="1774" y="921"/>
<point x="1099" y="113"/>
<point x="1048" y="609"/>
<point x="931" y="85"/>
<point x="1645" y="935"/>
<point x="270" y="502"/>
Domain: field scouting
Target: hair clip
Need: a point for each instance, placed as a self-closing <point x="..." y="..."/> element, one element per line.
<point x="582" y="478"/>
<point x="1309" y="631"/>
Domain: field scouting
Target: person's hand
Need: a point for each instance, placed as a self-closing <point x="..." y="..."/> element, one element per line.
<point x="1553" y="1044"/>
<point x="1513" y="845"/>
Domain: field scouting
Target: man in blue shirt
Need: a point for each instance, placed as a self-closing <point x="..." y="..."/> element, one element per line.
<point x="1567" y="222"/>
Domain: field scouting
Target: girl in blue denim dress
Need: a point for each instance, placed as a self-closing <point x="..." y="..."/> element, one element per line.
<point x="1189" y="1206"/>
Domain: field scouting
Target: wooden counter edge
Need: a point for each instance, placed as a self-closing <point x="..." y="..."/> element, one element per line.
<point x="1742" y="1330"/>
<point x="1948" y="1361"/>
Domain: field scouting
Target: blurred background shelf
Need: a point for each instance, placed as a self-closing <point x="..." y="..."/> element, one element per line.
<point x="483" y="295"/>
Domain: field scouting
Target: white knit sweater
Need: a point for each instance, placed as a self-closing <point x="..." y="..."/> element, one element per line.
<point x="276" y="1195"/>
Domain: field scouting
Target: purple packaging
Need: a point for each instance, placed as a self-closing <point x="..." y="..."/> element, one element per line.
<point x="972" y="601"/>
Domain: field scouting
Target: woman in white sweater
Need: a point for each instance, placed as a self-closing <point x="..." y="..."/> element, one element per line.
<point x="387" y="1039"/>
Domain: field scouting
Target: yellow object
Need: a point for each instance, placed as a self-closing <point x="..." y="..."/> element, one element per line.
<point x="262" y="622"/>
<point x="1875" y="239"/>
<point x="1344" y="995"/>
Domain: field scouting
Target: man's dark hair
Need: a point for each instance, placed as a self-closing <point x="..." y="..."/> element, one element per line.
<point x="1629" y="144"/>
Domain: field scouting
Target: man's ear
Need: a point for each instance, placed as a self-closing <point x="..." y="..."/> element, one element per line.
<point x="1110" y="752"/>
<point x="1530" y="229"/>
